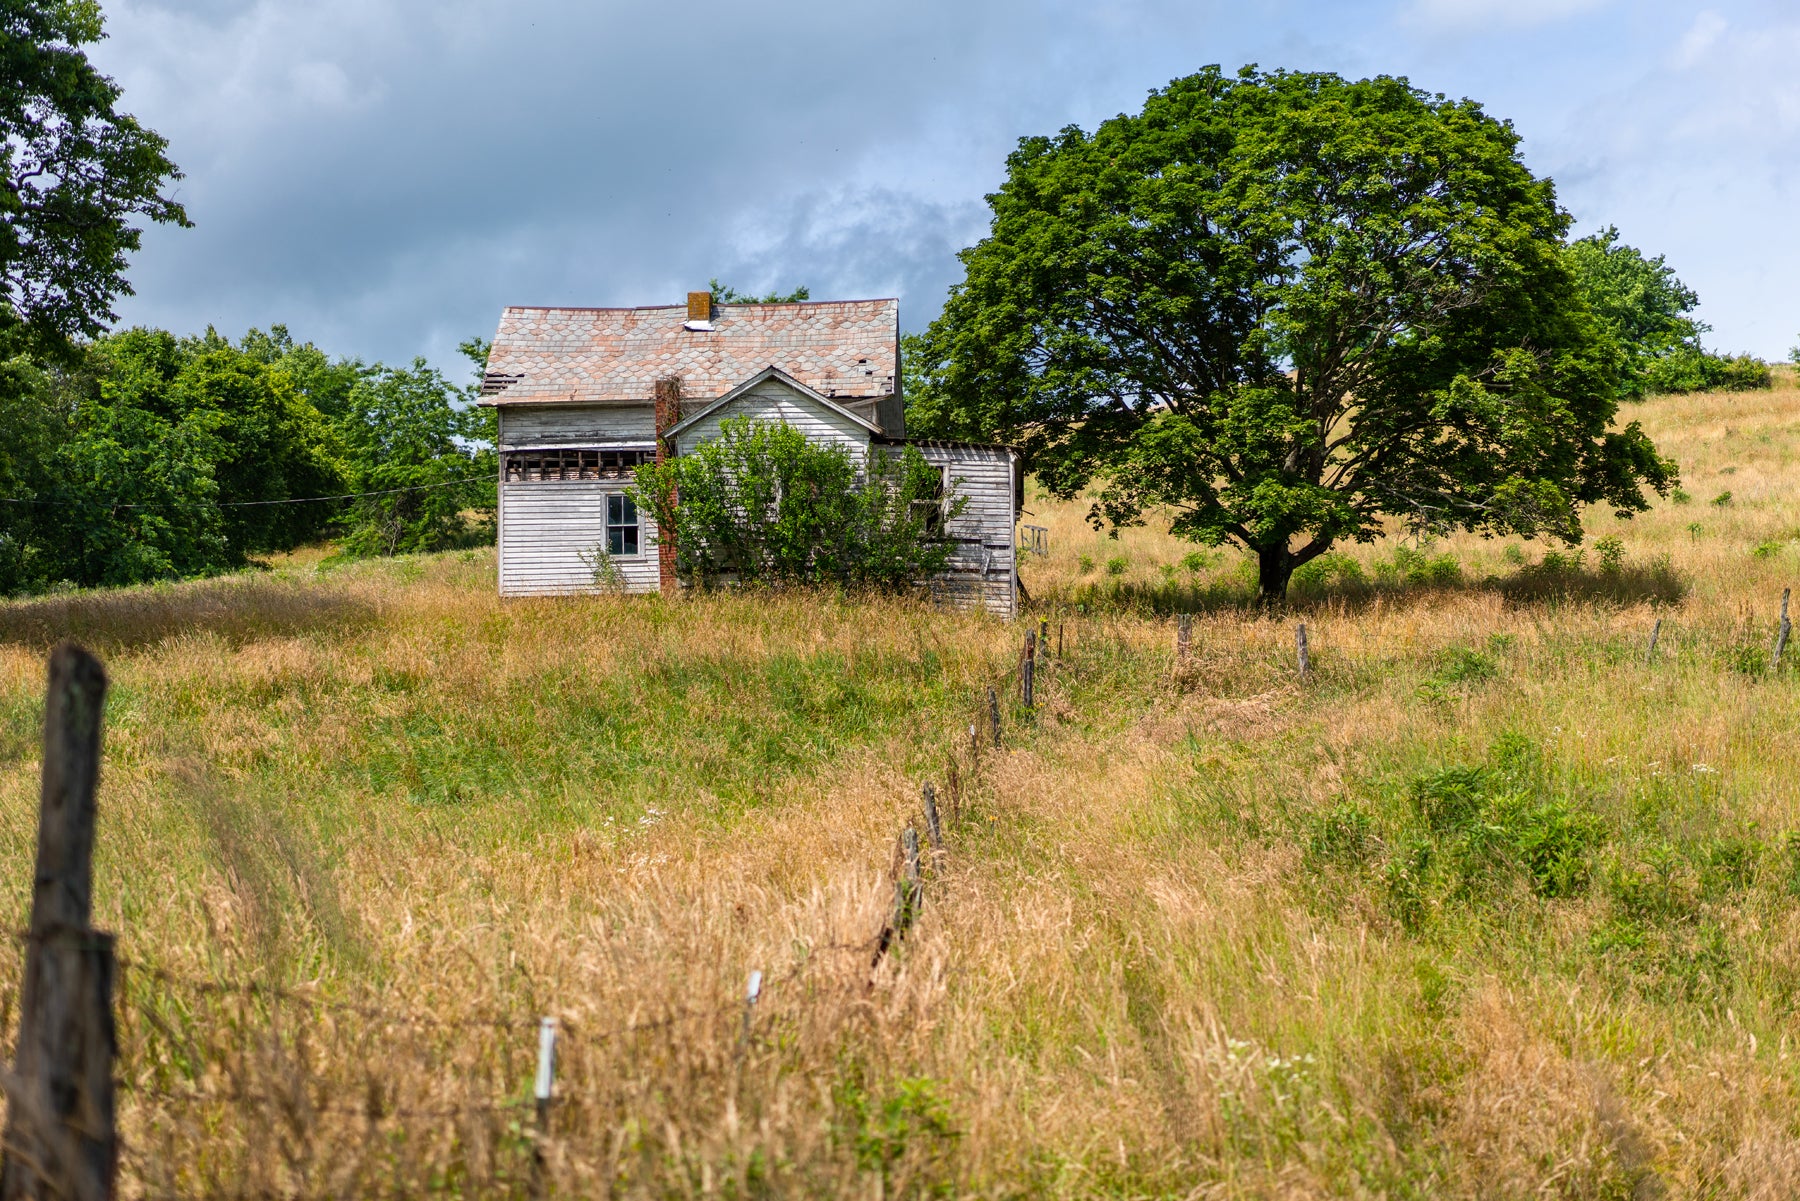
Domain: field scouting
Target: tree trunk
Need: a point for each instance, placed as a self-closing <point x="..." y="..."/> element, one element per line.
<point x="1274" y="566"/>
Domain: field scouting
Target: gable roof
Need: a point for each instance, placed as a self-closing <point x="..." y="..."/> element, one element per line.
<point x="770" y="373"/>
<point x="836" y="348"/>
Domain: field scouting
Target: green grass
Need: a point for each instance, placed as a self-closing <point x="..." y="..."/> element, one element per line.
<point x="1489" y="906"/>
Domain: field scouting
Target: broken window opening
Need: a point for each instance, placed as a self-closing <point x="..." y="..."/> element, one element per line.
<point x="930" y="507"/>
<point x="540" y="466"/>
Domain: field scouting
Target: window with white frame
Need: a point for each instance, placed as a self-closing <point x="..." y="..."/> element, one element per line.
<point x="621" y="525"/>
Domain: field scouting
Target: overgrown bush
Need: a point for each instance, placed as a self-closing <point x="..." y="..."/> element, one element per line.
<point x="1331" y="569"/>
<point x="1475" y="836"/>
<point x="763" y="504"/>
<point x="1567" y="574"/>
<point x="1690" y="369"/>
<point x="1418" y="566"/>
<point x="1499" y="819"/>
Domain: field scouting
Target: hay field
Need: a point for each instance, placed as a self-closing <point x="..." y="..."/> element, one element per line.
<point x="1487" y="907"/>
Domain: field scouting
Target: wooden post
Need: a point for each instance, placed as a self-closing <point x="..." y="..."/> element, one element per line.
<point x="910" y="840"/>
<point x="1781" y="634"/>
<point x="953" y="784"/>
<point x="59" y="1138"/>
<point x="1059" y="640"/>
<point x="1184" y="638"/>
<point x="1300" y="647"/>
<point x="752" y="990"/>
<point x="1028" y="669"/>
<point x="994" y="713"/>
<point x="1655" y="633"/>
<point x="542" y="1089"/>
<point x="906" y="897"/>
<point x="932" y="830"/>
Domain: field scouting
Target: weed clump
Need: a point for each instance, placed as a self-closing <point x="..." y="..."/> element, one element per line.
<point x="1460" y="667"/>
<point x="1469" y="837"/>
<point x="1197" y="561"/>
<point x="1332" y="570"/>
<point x="1420" y="568"/>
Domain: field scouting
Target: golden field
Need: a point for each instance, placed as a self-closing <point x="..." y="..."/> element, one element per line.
<point x="1490" y="905"/>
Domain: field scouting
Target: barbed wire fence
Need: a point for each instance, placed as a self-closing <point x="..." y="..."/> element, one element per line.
<point x="61" y="1137"/>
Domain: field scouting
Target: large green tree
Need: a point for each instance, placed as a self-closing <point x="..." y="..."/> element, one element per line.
<point x="422" y="457"/>
<point x="1640" y="302"/>
<point x="75" y="174"/>
<point x="1287" y="308"/>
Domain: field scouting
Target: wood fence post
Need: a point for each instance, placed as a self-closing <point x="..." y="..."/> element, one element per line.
<point x="1781" y="634"/>
<point x="1300" y="649"/>
<point x="994" y="713"/>
<point x="1184" y="638"/>
<point x="752" y="990"/>
<point x="1655" y="633"/>
<point x="1059" y="640"/>
<point x="909" y="839"/>
<point x="932" y="829"/>
<point x="543" y="1088"/>
<point x="953" y="785"/>
<point x="59" y="1138"/>
<point x="1028" y="669"/>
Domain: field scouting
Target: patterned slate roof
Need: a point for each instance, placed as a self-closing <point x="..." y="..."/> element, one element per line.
<point x="840" y="348"/>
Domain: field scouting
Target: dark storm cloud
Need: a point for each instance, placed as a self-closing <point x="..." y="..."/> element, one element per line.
<point x="383" y="175"/>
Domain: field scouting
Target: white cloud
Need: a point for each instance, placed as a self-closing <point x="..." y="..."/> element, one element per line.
<point x="383" y="175"/>
<point x="1696" y="158"/>
<point x="1701" y="36"/>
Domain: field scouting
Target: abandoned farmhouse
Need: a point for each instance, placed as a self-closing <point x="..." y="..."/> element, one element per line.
<point x="584" y="396"/>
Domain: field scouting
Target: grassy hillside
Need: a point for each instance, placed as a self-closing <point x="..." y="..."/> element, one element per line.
<point x="1488" y="907"/>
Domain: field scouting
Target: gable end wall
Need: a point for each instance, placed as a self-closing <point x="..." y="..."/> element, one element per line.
<point x="774" y="401"/>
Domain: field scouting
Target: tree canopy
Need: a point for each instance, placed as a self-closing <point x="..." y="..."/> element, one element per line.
<point x="726" y="294"/>
<point x="1640" y="302"/>
<point x="1287" y="307"/>
<point x="144" y="456"/>
<point x="74" y="174"/>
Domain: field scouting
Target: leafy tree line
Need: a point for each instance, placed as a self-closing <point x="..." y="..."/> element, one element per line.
<point x="1287" y="310"/>
<point x="1644" y="309"/>
<point x="138" y="455"/>
<point x="141" y="455"/>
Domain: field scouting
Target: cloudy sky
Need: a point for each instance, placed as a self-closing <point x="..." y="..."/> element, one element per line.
<point x="384" y="175"/>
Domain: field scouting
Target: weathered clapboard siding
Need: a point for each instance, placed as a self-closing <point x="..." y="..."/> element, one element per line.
<point x="575" y="425"/>
<point x="983" y="564"/>
<point x="773" y="400"/>
<point x="546" y="527"/>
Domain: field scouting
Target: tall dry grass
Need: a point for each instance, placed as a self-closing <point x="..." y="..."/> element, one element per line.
<point x="1195" y="933"/>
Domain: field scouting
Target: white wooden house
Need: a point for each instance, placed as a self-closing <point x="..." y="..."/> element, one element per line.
<point x="585" y="396"/>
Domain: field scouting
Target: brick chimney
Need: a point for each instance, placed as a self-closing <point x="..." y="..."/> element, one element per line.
<point x="700" y="306"/>
<point x="667" y="392"/>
